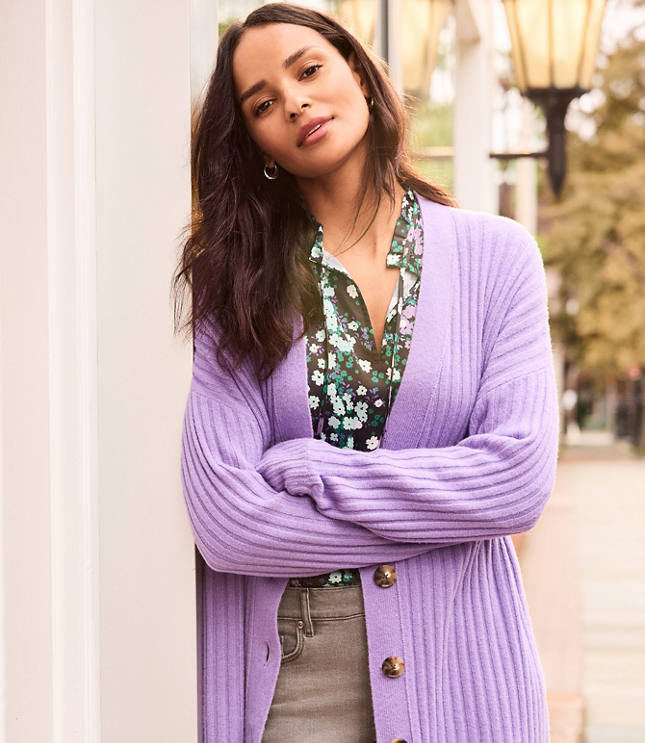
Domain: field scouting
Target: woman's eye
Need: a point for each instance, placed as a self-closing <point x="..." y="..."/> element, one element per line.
<point x="311" y="70"/>
<point x="307" y="72"/>
<point x="262" y="107"/>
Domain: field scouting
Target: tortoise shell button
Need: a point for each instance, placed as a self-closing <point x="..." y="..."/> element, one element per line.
<point x="385" y="576"/>
<point x="393" y="666"/>
<point x="398" y="740"/>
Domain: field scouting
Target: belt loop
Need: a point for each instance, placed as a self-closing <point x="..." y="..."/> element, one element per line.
<point x="306" y="613"/>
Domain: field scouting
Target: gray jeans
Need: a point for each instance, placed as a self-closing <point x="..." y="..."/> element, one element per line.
<point x="323" y="688"/>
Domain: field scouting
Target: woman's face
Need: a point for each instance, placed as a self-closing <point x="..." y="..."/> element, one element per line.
<point x="289" y="80"/>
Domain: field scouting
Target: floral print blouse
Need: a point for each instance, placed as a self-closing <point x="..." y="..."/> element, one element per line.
<point x="347" y="375"/>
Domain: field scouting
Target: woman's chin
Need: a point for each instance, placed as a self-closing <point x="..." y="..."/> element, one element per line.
<point x="328" y="164"/>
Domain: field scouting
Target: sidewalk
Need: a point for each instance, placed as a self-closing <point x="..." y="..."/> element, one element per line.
<point x="582" y="567"/>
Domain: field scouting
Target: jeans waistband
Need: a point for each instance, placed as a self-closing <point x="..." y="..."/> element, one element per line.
<point x="321" y="603"/>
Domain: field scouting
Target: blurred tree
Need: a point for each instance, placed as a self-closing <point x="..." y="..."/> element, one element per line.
<point x="595" y="235"/>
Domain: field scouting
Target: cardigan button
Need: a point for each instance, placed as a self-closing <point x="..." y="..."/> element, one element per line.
<point x="385" y="576"/>
<point x="393" y="666"/>
<point x="398" y="740"/>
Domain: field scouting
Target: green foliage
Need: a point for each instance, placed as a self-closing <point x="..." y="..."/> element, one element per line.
<point x="440" y="172"/>
<point x="431" y="126"/>
<point x="595" y="235"/>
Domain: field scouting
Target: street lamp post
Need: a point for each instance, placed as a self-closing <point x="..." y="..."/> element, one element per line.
<point x="554" y="46"/>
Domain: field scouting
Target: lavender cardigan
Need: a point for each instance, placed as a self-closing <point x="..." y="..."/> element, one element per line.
<point x="469" y="458"/>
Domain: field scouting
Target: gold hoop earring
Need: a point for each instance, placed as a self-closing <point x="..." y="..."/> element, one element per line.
<point x="370" y="102"/>
<point x="271" y="173"/>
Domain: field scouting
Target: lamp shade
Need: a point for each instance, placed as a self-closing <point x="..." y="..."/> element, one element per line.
<point x="554" y="42"/>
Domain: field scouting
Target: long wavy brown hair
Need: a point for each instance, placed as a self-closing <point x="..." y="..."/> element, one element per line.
<point x="244" y="254"/>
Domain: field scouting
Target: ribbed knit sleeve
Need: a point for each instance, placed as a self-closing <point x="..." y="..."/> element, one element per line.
<point x="496" y="480"/>
<point x="239" y="522"/>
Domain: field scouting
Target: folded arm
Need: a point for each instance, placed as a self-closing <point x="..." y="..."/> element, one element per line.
<point x="494" y="482"/>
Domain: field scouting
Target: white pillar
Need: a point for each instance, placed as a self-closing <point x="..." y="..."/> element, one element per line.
<point x="474" y="169"/>
<point x="203" y="44"/>
<point x="26" y="540"/>
<point x="97" y="583"/>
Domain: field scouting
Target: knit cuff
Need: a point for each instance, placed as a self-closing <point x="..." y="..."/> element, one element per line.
<point x="286" y="466"/>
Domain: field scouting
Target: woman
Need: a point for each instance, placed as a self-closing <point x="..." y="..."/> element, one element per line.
<point x="372" y="414"/>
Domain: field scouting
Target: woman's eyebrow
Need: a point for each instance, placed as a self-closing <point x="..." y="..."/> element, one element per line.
<point x="285" y="65"/>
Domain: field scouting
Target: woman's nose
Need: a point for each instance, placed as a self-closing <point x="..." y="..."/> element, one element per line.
<point x="294" y="105"/>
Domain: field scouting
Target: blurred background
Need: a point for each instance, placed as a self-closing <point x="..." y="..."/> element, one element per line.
<point x="532" y="109"/>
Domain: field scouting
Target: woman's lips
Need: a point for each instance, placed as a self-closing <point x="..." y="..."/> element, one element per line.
<point x="314" y="130"/>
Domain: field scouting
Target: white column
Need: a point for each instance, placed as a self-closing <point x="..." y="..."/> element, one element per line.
<point x="474" y="169"/>
<point x="98" y="581"/>
<point x="25" y="489"/>
<point x="526" y="169"/>
<point x="203" y="44"/>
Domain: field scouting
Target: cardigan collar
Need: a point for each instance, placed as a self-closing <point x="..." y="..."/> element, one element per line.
<point x="288" y="383"/>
